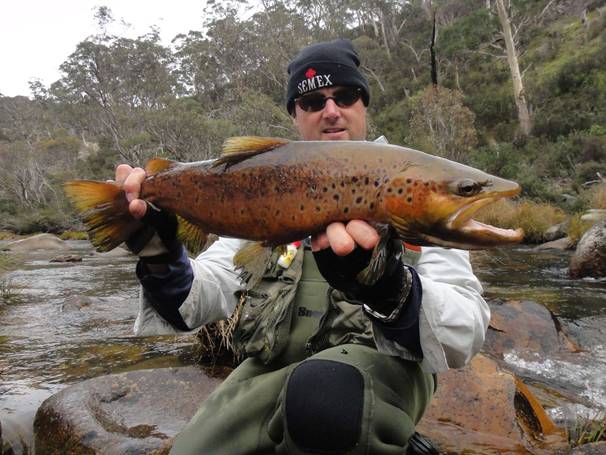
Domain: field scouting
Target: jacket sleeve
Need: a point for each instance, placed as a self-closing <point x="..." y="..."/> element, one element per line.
<point x="453" y="316"/>
<point x="211" y="297"/>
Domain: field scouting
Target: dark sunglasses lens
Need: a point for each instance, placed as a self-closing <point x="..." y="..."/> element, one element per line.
<point x="312" y="103"/>
<point x="346" y="98"/>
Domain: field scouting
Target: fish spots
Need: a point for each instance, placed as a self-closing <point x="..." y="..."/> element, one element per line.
<point x="371" y="206"/>
<point x="359" y="199"/>
<point x="318" y="208"/>
<point x="345" y="209"/>
<point x="409" y="199"/>
<point x="400" y="190"/>
<point x="301" y="207"/>
<point x="408" y="181"/>
<point x="324" y="189"/>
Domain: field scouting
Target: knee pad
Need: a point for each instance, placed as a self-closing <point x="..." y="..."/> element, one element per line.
<point x="324" y="405"/>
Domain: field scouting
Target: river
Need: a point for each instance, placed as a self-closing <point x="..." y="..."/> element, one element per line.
<point x="47" y="342"/>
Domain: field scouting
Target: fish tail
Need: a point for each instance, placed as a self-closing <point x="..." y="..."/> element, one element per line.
<point x="104" y="210"/>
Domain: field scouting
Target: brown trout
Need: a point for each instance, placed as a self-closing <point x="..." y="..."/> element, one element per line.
<point x="278" y="191"/>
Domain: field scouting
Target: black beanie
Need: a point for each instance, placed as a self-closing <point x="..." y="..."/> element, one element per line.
<point x="326" y="64"/>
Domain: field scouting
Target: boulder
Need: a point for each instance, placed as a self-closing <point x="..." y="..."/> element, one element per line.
<point x="482" y="409"/>
<point x="557" y="231"/>
<point x="37" y="242"/>
<point x="525" y="326"/>
<point x="594" y="215"/>
<point x="589" y="259"/>
<point x="136" y="412"/>
<point x="564" y="243"/>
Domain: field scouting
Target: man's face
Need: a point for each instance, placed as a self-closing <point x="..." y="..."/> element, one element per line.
<point x="333" y="123"/>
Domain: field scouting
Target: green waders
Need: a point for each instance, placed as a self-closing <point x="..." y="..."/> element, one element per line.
<point x="352" y="397"/>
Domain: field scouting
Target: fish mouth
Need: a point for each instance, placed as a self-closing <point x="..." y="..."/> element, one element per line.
<point x="472" y="233"/>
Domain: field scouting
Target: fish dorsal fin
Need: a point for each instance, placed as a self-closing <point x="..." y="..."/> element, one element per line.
<point x="237" y="149"/>
<point x="156" y="165"/>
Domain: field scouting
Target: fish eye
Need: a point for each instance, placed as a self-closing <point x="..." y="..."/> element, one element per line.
<point x="467" y="187"/>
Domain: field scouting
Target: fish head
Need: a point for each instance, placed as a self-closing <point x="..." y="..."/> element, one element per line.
<point x="433" y="203"/>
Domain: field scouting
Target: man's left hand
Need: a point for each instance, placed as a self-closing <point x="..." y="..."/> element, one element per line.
<point x="344" y="238"/>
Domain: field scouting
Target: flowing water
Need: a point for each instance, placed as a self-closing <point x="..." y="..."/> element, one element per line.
<point x="50" y="338"/>
<point x="66" y="322"/>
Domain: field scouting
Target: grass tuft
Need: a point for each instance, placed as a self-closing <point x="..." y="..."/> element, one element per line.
<point x="535" y="218"/>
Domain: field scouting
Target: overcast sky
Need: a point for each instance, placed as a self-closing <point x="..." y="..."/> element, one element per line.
<point x="36" y="36"/>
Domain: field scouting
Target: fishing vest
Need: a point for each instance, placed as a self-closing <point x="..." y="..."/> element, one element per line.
<point x="293" y="313"/>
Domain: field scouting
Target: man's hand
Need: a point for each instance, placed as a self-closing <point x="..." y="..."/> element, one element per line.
<point x="131" y="179"/>
<point x="344" y="238"/>
<point x="156" y="242"/>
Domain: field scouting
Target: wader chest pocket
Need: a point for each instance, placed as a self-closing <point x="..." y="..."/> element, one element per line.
<point x="264" y="325"/>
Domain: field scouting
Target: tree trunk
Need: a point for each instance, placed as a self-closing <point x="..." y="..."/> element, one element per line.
<point x="514" y="67"/>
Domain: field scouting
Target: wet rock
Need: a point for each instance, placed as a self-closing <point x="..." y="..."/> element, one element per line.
<point x="76" y="303"/>
<point x="589" y="259"/>
<point x="37" y="242"/>
<point x="483" y="409"/>
<point x="67" y="258"/>
<point x="525" y="326"/>
<point x="116" y="252"/>
<point x="565" y="243"/>
<point x="557" y="231"/>
<point x="136" y="412"/>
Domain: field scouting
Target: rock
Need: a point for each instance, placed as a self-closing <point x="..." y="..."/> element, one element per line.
<point x="557" y="231"/>
<point x="525" y="326"/>
<point x="136" y="412"/>
<point x="37" y="242"/>
<point x="594" y="215"/>
<point x="597" y="448"/>
<point x="116" y="252"/>
<point x="589" y="259"/>
<point x="564" y="243"/>
<point x="76" y="303"/>
<point x="67" y="258"/>
<point x="482" y="409"/>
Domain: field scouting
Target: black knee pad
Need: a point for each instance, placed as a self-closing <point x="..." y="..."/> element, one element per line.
<point x="324" y="406"/>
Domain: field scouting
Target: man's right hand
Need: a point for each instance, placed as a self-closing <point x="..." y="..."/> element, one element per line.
<point x="157" y="241"/>
<point x="131" y="179"/>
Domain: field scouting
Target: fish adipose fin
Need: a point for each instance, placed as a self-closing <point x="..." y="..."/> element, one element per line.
<point x="254" y="259"/>
<point x="237" y="149"/>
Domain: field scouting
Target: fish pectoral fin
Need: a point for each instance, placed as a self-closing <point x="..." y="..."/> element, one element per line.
<point x="192" y="236"/>
<point x="382" y="250"/>
<point x="254" y="259"/>
<point x="237" y="149"/>
<point x="405" y="232"/>
<point x="156" y="165"/>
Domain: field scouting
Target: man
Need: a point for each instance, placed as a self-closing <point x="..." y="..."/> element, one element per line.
<point x="333" y="366"/>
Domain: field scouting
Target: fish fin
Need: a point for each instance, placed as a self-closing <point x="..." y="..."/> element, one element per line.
<point x="253" y="260"/>
<point x="382" y="250"/>
<point x="237" y="149"/>
<point x="156" y="165"/>
<point x="193" y="237"/>
<point x="405" y="232"/>
<point x="104" y="209"/>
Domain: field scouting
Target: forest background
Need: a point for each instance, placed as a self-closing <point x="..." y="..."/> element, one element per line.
<point x="520" y="92"/>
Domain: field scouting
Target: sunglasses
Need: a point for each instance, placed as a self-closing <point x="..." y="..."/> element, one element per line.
<point x="315" y="102"/>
